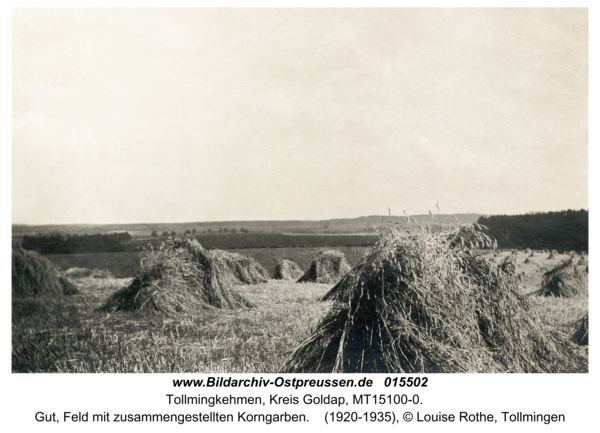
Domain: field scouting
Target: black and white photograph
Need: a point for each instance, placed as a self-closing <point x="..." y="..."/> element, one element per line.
<point x="282" y="191"/>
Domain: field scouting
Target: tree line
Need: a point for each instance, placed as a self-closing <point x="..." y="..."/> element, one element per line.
<point x="172" y="233"/>
<point x="76" y="244"/>
<point x="564" y="230"/>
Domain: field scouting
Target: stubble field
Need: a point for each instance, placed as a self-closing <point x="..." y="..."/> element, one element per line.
<point x="70" y="335"/>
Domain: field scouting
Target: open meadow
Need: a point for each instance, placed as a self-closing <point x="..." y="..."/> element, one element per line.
<point x="71" y="334"/>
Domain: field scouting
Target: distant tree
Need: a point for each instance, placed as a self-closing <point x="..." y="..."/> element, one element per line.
<point x="193" y="231"/>
<point x="154" y="234"/>
<point x="210" y="230"/>
<point x="564" y="230"/>
<point x="173" y="233"/>
<point x="73" y="244"/>
<point x="225" y="230"/>
<point x="165" y="234"/>
<point x="233" y="231"/>
<point x="220" y="230"/>
<point x="187" y="233"/>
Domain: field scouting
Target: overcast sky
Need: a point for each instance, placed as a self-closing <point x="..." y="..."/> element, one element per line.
<point x="167" y="115"/>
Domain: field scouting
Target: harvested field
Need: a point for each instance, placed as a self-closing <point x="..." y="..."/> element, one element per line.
<point x="34" y="275"/>
<point x="127" y="265"/>
<point x="182" y="276"/>
<point x="71" y="334"/>
<point x="303" y="257"/>
<point x="74" y="336"/>
<point x="121" y="265"/>
<point x="72" y="273"/>
<point x="429" y="303"/>
<point x="287" y="270"/>
<point x="563" y="281"/>
<point x="328" y="267"/>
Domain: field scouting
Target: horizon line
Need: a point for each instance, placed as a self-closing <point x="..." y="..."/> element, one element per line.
<point x="286" y="220"/>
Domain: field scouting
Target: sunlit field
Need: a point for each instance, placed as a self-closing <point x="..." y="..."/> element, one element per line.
<point x="69" y="334"/>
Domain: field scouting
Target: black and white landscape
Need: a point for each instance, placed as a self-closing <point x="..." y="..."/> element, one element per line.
<point x="300" y="190"/>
